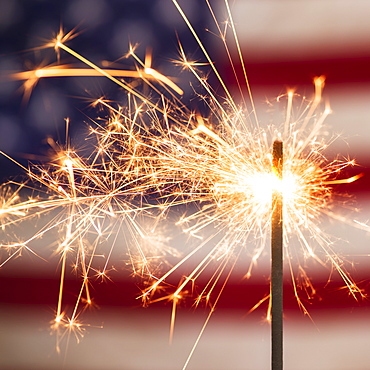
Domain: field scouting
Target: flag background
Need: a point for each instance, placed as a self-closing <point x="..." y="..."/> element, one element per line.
<point x="285" y="44"/>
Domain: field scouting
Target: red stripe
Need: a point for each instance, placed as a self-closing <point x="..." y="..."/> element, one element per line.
<point x="123" y="293"/>
<point x="292" y="73"/>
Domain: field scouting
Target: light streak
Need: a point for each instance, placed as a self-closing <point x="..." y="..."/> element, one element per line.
<point x="153" y="155"/>
<point x="67" y="71"/>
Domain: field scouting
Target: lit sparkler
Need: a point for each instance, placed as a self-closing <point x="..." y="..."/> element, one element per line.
<point x="155" y="154"/>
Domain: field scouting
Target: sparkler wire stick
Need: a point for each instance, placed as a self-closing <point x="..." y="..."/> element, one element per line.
<point x="277" y="263"/>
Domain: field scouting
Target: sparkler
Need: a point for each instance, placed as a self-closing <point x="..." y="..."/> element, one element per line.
<point x="154" y="155"/>
<point x="277" y="264"/>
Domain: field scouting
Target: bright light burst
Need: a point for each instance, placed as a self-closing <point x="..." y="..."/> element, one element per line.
<point x="153" y="154"/>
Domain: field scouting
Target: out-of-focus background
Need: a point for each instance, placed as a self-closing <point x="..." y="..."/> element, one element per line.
<point x="284" y="44"/>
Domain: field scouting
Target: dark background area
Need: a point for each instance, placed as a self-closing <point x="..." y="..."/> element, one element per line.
<point x="105" y="30"/>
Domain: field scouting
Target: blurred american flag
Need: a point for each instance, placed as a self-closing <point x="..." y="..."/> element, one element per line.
<point x="285" y="44"/>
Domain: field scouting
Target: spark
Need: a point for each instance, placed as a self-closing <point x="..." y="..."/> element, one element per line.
<point x="32" y="77"/>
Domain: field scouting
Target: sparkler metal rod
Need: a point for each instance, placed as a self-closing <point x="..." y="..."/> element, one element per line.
<point x="277" y="263"/>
